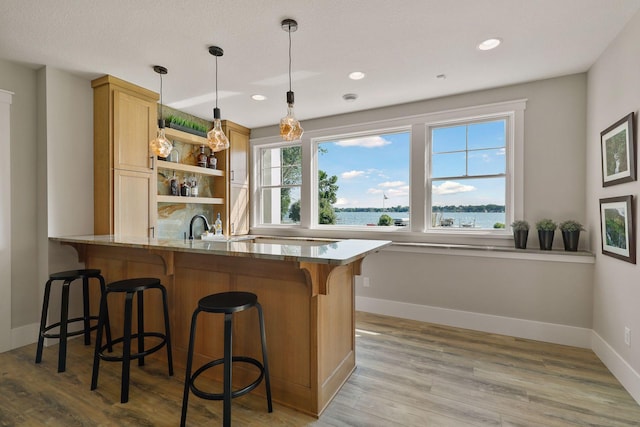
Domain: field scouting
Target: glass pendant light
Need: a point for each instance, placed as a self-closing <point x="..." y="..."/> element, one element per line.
<point x="216" y="138"/>
<point x="160" y="145"/>
<point x="290" y="129"/>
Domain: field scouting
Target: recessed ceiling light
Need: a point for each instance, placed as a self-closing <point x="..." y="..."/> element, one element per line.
<point x="349" y="97"/>
<point x="489" y="44"/>
<point x="258" y="97"/>
<point x="357" y="75"/>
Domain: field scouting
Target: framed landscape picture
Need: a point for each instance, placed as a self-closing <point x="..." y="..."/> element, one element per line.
<point x="619" y="152"/>
<point x="616" y="220"/>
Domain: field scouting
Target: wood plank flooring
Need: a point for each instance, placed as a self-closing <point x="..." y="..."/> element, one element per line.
<point x="409" y="374"/>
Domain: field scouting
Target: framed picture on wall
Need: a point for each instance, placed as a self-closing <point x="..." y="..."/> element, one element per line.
<point x="619" y="152"/>
<point x="616" y="224"/>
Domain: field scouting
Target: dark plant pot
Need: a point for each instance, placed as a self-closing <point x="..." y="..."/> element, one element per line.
<point x="546" y="239"/>
<point x="185" y="129"/>
<point x="570" y="239"/>
<point x="520" y="238"/>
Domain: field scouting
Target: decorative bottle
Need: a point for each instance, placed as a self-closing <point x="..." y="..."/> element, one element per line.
<point x="194" y="186"/>
<point x="174" y="155"/>
<point x="212" y="161"/>
<point x="218" y="225"/>
<point x="173" y="183"/>
<point x="202" y="158"/>
<point x="185" y="188"/>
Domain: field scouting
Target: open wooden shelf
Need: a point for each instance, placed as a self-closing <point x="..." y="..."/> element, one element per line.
<point x="180" y="199"/>
<point x="162" y="164"/>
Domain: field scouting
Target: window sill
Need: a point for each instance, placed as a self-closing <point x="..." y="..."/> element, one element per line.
<point x="556" y="255"/>
<point x="488" y="245"/>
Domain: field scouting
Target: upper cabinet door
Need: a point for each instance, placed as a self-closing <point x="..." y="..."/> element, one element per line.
<point x="134" y="125"/>
<point x="239" y="153"/>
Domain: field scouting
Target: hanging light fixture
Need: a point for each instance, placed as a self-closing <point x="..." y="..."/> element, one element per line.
<point x="290" y="129"/>
<point x="160" y="145"/>
<point x="216" y="138"/>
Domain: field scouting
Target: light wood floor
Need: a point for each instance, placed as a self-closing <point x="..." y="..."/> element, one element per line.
<point x="409" y="374"/>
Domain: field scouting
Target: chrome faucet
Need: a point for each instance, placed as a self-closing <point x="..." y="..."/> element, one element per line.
<point x="206" y="224"/>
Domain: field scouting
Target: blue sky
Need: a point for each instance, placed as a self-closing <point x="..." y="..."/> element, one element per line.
<point x="370" y="167"/>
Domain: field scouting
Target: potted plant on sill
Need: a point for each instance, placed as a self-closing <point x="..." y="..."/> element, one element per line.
<point x="570" y="234"/>
<point x="546" y="230"/>
<point x="520" y="233"/>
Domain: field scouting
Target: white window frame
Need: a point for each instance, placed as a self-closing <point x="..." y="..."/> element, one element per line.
<point x="259" y="206"/>
<point x="418" y="231"/>
<point x="508" y="174"/>
<point x="315" y="142"/>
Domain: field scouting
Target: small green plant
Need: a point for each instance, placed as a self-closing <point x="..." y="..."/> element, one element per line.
<point x="570" y="225"/>
<point x="546" y="225"/>
<point x="498" y="225"/>
<point x="385" y="220"/>
<point x="520" y="225"/>
<point x="186" y="123"/>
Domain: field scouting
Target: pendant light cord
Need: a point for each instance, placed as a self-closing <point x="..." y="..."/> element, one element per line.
<point x="216" y="81"/>
<point x="161" y="97"/>
<point x="289" y="57"/>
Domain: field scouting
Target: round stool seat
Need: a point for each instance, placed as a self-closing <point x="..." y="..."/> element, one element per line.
<point x="133" y="285"/>
<point x="227" y="302"/>
<point x="74" y="274"/>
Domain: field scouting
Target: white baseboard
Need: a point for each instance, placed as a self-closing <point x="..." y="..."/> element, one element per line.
<point x="521" y="328"/>
<point x="628" y="377"/>
<point x="24" y="335"/>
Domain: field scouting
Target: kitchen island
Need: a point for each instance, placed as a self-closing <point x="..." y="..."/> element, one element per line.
<point x="305" y="286"/>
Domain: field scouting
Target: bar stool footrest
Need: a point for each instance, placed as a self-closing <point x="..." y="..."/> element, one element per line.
<point x="69" y="334"/>
<point x="234" y="393"/>
<point x="133" y="356"/>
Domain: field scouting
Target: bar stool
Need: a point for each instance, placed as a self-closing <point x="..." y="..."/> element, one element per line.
<point x="67" y="277"/>
<point x="131" y="287"/>
<point x="226" y="303"/>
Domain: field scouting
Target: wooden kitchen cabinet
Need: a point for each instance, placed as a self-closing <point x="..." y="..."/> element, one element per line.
<point x="238" y="182"/>
<point x="124" y="121"/>
<point x="130" y="194"/>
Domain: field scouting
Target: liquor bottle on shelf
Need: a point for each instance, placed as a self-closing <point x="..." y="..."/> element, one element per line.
<point x="174" y="155"/>
<point x="174" y="185"/>
<point x="212" y="162"/>
<point x="202" y="159"/>
<point x="185" y="188"/>
<point x="194" y="186"/>
<point x="218" y="225"/>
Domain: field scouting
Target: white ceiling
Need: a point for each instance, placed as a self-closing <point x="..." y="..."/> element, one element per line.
<point x="401" y="45"/>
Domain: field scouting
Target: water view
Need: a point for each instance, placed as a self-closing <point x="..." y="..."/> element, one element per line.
<point x="454" y="219"/>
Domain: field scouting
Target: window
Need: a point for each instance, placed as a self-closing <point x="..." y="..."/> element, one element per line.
<point x="453" y="176"/>
<point x="468" y="175"/>
<point x="364" y="180"/>
<point x="280" y="181"/>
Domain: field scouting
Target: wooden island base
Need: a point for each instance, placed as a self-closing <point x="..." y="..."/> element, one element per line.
<point x="308" y="310"/>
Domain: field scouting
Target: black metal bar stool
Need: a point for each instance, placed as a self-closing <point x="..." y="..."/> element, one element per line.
<point x="226" y="303"/>
<point x="68" y="277"/>
<point x="131" y="287"/>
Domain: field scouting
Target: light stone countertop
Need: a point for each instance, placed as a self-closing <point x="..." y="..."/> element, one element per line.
<point x="319" y="251"/>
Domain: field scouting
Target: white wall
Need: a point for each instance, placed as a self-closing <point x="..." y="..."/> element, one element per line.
<point x="22" y="187"/>
<point x="51" y="161"/>
<point x="614" y="91"/>
<point x="530" y="297"/>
